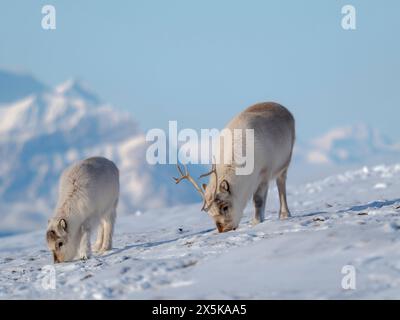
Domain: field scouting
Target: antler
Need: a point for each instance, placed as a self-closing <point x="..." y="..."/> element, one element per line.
<point x="186" y="176"/>
<point x="213" y="170"/>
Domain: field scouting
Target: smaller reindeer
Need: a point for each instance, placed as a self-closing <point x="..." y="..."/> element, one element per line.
<point x="227" y="193"/>
<point x="88" y="197"/>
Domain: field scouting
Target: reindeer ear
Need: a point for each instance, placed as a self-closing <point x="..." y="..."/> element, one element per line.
<point x="224" y="186"/>
<point x="204" y="186"/>
<point x="63" y="224"/>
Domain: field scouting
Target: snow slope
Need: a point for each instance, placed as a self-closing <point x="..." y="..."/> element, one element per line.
<point x="347" y="219"/>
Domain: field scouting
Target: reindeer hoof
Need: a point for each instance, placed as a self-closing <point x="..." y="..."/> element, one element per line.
<point x="284" y="215"/>
<point x="96" y="249"/>
<point x="84" y="256"/>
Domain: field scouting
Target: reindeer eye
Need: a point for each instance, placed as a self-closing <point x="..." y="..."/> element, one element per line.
<point x="224" y="209"/>
<point x="60" y="244"/>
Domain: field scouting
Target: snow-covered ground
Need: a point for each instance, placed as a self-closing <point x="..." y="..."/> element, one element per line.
<point x="348" y="219"/>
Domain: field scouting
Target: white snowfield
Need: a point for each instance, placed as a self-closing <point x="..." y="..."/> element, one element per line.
<point x="349" y="219"/>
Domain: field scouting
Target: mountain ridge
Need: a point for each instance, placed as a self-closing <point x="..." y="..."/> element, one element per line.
<point x="43" y="132"/>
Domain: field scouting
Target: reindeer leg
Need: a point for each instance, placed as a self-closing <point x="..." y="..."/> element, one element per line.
<point x="99" y="240"/>
<point x="84" y="246"/>
<point x="284" y="212"/>
<point x="259" y="200"/>
<point x="108" y="225"/>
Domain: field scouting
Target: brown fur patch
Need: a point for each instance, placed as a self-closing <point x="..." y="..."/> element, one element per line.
<point x="51" y="236"/>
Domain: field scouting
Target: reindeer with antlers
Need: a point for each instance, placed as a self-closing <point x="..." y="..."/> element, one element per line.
<point x="227" y="193"/>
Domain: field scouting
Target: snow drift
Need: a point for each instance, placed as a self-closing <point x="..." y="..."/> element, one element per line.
<point x="351" y="219"/>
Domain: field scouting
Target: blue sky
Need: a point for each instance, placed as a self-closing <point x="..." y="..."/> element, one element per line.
<point x="201" y="62"/>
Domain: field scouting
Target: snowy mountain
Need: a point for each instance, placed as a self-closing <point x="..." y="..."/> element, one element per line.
<point x="348" y="145"/>
<point x="44" y="132"/>
<point x="347" y="220"/>
<point x="17" y="84"/>
<point x="340" y="149"/>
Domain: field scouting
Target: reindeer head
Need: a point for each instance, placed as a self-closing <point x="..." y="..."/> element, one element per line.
<point x="217" y="197"/>
<point x="59" y="240"/>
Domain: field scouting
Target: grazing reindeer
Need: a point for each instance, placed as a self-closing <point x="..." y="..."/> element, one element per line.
<point x="227" y="193"/>
<point x="88" y="197"/>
